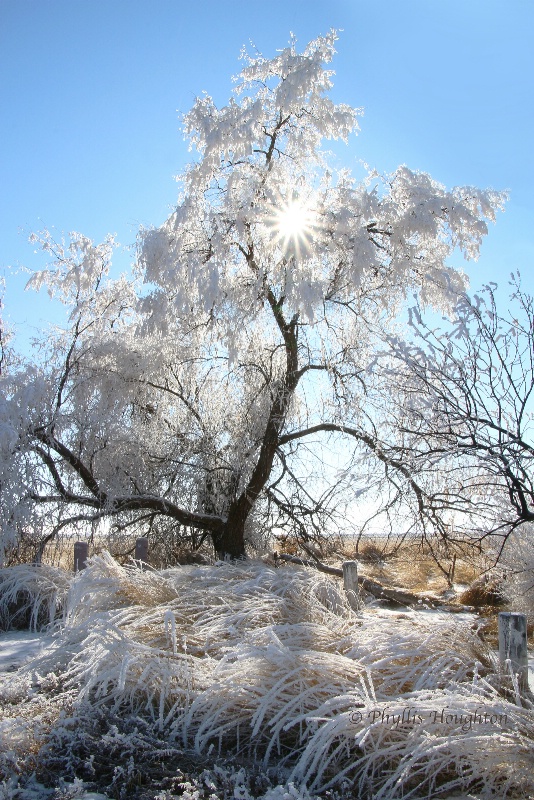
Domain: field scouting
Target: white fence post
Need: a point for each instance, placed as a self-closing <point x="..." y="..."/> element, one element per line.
<point x="141" y="549"/>
<point x="350" y="583"/>
<point x="513" y="645"/>
<point x="81" y="554"/>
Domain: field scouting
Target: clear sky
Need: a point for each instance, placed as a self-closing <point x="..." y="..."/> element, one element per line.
<point x="92" y="92"/>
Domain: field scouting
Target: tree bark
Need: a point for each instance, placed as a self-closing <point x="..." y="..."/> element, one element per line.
<point x="229" y="541"/>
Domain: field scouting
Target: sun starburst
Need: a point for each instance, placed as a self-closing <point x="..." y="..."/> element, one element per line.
<point x="293" y="223"/>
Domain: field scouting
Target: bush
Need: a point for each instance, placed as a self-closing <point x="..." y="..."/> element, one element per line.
<point x="32" y="596"/>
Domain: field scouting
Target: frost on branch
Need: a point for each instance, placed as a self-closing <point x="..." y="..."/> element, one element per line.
<point x="79" y="265"/>
<point x="261" y="151"/>
<point x="187" y="396"/>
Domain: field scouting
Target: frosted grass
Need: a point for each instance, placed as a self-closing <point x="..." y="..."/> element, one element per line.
<point x="31" y="596"/>
<point x="271" y="666"/>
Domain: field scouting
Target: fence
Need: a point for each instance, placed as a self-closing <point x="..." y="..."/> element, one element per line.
<point x="513" y="652"/>
<point x="81" y="553"/>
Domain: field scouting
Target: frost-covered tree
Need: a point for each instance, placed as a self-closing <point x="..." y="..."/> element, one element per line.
<point x="462" y="415"/>
<point x="200" y="392"/>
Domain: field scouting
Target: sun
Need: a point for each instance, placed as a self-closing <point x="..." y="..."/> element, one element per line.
<point x="293" y="222"/>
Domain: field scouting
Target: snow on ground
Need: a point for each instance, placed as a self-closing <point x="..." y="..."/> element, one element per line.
<point x="18" y="647"/>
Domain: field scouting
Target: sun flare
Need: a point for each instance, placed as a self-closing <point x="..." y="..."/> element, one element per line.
<point x="293" y="222"/>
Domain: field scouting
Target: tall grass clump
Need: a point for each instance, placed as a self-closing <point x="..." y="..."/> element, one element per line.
<point x="32" y="596"/>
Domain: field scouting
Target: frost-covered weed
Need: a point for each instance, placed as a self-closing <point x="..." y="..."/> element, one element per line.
<point x="170" y="672"/>
<point x="30" y="789"/>
<point x="31" y="596"/>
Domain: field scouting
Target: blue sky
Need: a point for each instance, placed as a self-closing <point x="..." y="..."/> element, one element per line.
<point x="92" y="91"/>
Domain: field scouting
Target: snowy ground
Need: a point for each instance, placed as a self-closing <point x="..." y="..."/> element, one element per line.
<point x="19" y="647"/>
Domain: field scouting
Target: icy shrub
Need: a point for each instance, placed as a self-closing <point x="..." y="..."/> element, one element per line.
<point x="484" y="591"/>
<point x="32" y="596"/>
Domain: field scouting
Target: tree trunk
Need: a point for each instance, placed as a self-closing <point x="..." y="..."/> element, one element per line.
<point x="229" y="541"/>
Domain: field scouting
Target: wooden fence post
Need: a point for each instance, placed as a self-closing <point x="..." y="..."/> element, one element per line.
<point x="81" y="554"/>
<point x="141" y="549"/>
<point x="513" y="645"/>
<point x="350" y="583"/>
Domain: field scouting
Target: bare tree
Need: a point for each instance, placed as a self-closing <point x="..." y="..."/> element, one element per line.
<point x="462" y="413"/>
